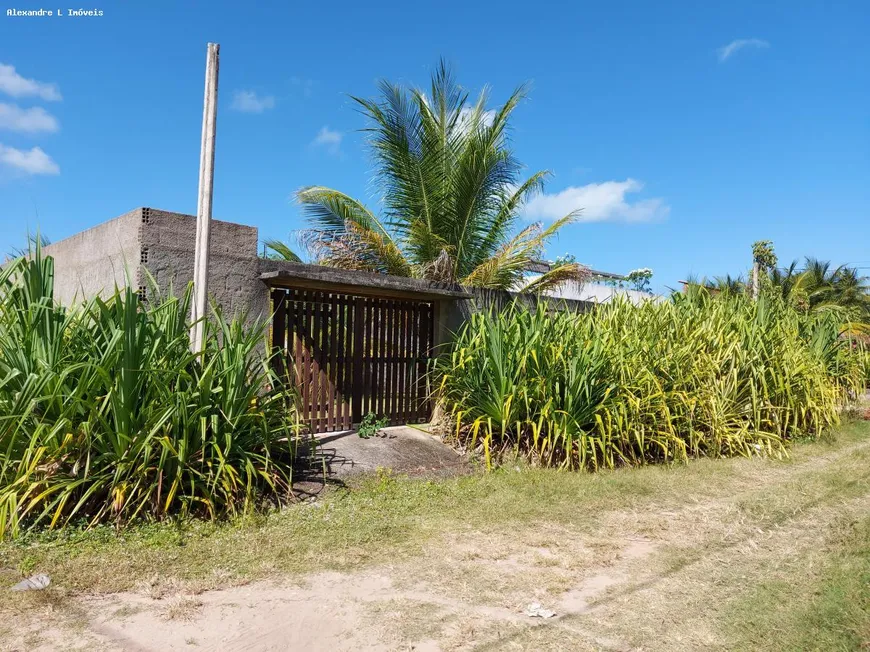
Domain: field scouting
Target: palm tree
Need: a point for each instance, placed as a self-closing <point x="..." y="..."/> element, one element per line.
<point x="451" y="195"/>
<point x="853" y="291"/>
<point x="785" y="279"/>
<point x="279" y="250"/>
<point x="820" y="286"/>
<point x="730" y="285"/>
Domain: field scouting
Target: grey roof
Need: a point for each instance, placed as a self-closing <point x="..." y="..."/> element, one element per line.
<point x="543" y="266"/>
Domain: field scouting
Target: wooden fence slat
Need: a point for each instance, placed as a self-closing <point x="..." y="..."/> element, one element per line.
<point x="367" y="364"/>
<point x="316" y="331"/>
<point x="375" y="363"/>
<point x="323" y="350"/>
<point x="410" y="364"/>
<point x="330" y="371"/>
<point x="394" y="341"/>
<point x="382" y="367"/>
<point x="415" y="364"/>
<point x="305" y="386"/>
<point x="382" y="355"/>
<point x="289" y="358"/>
<point x="357" y="312"/>
<point x="340" y="389"/>
<point x="279" y="332"/>
<point x="347" y="342"/>
<point x="403" y="331"/>
<point x="426" y="355"/>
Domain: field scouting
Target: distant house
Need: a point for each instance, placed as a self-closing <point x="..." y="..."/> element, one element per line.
<point x="600" y="287"/>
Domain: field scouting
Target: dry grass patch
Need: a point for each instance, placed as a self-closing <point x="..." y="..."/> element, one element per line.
<point x="184" y="608"/>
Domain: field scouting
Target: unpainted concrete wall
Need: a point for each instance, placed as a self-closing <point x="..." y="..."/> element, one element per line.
<point x="148" y="241"/>
<point x="451" y="315"/>
<point x="168" y="246"/>
<point x="94" y="261"/>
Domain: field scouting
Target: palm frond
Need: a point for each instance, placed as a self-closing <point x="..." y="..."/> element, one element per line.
<point x="504" y="269"/>
<point x="556" y="276"/>
<point x="280" y="250"/>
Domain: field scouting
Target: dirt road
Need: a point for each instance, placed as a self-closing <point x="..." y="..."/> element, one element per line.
<point x="665" y="574"/>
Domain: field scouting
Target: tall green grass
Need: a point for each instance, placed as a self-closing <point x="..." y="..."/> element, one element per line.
<point x="106" y="415"/>
<point x="661" y="382"/>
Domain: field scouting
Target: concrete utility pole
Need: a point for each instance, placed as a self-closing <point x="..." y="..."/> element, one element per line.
<point x="206" y="192"/>
<point x="756" y="285"/>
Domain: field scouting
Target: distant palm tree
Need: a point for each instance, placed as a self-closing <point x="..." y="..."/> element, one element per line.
<point x="821" y="286"/>
<point x="786" y="279"/>
<point x="815" y="287"/>
<point x="727" y="284"/>
<point x="853" y="291"/>
<point x="451" y="195"/>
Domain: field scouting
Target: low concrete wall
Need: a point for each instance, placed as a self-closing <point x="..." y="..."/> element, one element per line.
<point x="454" y="314"/>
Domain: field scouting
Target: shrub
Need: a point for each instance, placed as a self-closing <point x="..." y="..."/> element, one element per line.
<point x="660" y="382"/>
<point x="106" y="415"/>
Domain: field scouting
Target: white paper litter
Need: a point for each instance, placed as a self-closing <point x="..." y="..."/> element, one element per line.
<point x="536" y="610"/>
<point x="33" y="583"/>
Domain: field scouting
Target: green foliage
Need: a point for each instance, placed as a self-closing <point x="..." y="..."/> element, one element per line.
<point x="763" y="254"/>
<point x="371" y="425"/>
<point x="863" y="352"/>
<point x="451" y="189"/>
<point x="817" y="286"/>
<point x="278" y="250"/>
<point x="662" y="382"/>
<point x="821" y="287"/>
<point x="106" y="415"/>
<point x="639" y="279"/>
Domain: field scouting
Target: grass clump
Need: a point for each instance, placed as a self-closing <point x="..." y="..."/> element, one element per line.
<point x="627" y="385"/>
<point x="828" y="610"/>
<point x="106" y="415"/>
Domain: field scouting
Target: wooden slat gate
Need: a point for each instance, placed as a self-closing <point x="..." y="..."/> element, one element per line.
<point x="350" y="355"/>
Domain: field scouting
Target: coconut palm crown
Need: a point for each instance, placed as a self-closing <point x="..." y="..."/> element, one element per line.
<point x="451" y="195"/>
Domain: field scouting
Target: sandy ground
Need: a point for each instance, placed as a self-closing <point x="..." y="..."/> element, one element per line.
<point x="328" y="611"/>
<point x="639" y="580"/>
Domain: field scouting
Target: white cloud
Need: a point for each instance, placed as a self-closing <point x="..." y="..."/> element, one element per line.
<point x="31" y="120"/>
<point x="250" y="102"/>
<point x="307" y="85"/>
<point x="727" y="51"/>
<point x="328" y="139"/>
<point x="599" y="202"/>
<point x="33" y="161"/>
<point x="15" y="85"/>
<point x="464" y="120"/>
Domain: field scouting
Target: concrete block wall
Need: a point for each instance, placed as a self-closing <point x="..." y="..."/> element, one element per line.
<point x="167" y="252"/>
<point x="147" y="241"/>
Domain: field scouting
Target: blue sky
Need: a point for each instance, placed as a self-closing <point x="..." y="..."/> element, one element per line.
<point x="685" y="130"/>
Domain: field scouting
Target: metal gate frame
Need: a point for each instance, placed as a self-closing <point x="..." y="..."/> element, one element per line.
<point x="350" y="355"/>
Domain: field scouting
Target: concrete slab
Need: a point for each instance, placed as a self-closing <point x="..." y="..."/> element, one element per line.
<point x="400" y="448"/>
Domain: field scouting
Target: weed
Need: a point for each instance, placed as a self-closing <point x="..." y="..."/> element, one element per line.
<point x="371" y="425"/>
